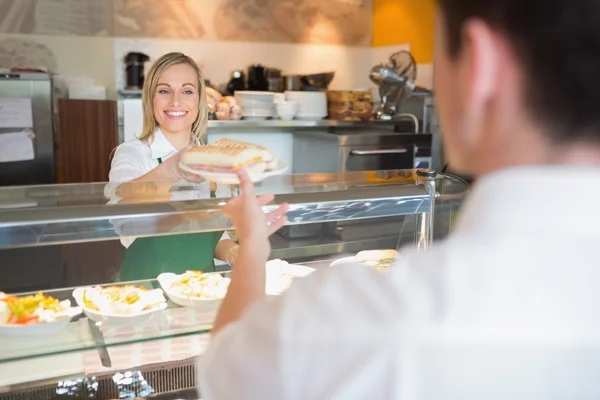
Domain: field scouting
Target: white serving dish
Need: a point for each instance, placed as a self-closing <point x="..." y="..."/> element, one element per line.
<point x="274" y="284"/>
<point x="166" y="281"/>
<point x="232" y="179"/>
<point x="344" y="261"/>
<point x="140" y="318"/>
<point x="347" y="261"/>
<point x="253" y="93"/>
<point x="37" y="329"/>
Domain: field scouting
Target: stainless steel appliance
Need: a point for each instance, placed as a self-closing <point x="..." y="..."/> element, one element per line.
<point x="38" y="88"/>
<point x="318" y="152"/>
<point x="38" y="171"/>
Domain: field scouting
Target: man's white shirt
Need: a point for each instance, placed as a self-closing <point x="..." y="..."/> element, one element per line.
<point x="505" y="308"/>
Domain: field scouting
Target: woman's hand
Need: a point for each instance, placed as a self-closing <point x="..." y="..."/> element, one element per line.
<point x="171" y="168"/>
<point x="253" y="227"/>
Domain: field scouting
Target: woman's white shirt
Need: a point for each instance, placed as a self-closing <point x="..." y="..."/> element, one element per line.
<point x="135" y="158"/>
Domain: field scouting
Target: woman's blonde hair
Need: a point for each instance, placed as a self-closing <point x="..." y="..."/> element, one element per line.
<point x="149" y="91"/>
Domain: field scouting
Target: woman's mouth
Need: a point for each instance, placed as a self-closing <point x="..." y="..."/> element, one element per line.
<point x="176" y="114"/>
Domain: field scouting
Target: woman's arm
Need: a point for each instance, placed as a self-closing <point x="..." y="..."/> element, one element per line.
<point x="226" y="250"/>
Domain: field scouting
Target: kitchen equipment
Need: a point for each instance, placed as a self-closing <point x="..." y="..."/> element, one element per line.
<point x="292" y="82"/>
<point x="274" y="80"/>
<point x="396" y="81"/>
<point x="311" y="105"/>
<point x="38" y="88"/>
<point x="317" y="82"/>
<point x="275" y="84"/>
<point x="256" y="78"/>
<point x="237" y="82"/>
<point x="322" y="152"/>
<point x="350" y="105"/>
<point x="134" y="70"/>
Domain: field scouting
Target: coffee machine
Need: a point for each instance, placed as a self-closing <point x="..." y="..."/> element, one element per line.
<point x="134" y="70"/>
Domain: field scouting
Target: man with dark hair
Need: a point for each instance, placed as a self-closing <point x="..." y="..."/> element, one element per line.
<point x="506" y="307"/>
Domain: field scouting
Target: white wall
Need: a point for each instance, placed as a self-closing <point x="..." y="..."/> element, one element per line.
<point x="217" y="59"/>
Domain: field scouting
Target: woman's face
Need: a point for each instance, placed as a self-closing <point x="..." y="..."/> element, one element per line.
<point x="176" y="99"/>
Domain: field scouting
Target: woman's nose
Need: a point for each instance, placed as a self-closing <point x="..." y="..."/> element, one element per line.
<point x="175" y="99"/>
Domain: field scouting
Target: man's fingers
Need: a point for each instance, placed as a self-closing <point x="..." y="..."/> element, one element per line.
<point x="266" y="199"/>
<point x="275" y="225"/>
<point x="276" y="213"/>
<point x="245" y="183"/>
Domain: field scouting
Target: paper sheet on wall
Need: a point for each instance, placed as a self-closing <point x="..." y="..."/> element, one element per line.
<point x="15" y="113"/>
<point x="16" y="146"/>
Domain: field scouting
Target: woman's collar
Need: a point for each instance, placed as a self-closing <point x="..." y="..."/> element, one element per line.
<point x="160" y="147"/>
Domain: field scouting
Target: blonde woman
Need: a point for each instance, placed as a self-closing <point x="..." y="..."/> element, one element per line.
<point x="175" y="116"/>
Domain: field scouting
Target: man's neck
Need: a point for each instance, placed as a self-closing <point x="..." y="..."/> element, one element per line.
<point x="534" y="149"/>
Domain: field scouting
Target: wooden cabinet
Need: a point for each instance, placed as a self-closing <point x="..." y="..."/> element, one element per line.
<point x="87" y="136"/>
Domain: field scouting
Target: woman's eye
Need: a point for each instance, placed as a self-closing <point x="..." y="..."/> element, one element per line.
<point x="189" y="92"/>
<point x="163" y="91"/>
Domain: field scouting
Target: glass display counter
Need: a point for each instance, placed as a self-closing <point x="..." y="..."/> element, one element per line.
<point x="344" y="213"/>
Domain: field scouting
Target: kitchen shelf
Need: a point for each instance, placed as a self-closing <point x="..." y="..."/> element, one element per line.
<point x="321" y="123"/>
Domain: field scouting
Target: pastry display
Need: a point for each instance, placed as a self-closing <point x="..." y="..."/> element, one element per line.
<point x="228" y="109"/>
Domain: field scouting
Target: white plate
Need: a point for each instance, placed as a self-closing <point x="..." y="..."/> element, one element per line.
<point x="344" y="261"/>
<point x="275" y="285"/>
<point x="349" y="261"/>
<point x="41" y="328"/>
<point x="253" y="93"/>
<point x="166" y="281"/>
<point x="115" y="319"/>
<point x="232" y="179"/>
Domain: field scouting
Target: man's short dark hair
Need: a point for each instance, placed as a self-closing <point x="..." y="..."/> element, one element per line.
<point x="558" y="44"/>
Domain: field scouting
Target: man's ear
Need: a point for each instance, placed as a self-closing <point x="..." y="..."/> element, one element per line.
<point x="479" y="71"/>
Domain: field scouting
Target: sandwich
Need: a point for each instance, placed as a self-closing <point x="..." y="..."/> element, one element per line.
<point x="379" y="259"/>
<point x="267" y="157"/>
<point x="211" y="158"/>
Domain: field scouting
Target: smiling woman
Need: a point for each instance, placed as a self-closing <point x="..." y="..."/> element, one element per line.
<point x="175" y="116"/>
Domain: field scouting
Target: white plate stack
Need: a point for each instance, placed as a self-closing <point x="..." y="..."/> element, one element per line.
<point x="311" y="105"/>
<point x="256" y="105"/>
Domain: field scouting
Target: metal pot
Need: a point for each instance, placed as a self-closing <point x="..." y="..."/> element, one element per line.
<point x="293" y="82"/>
